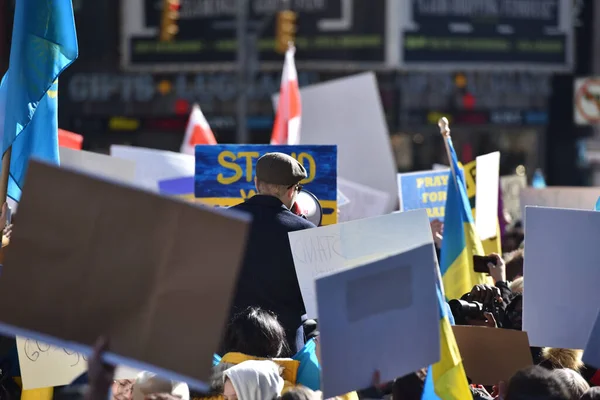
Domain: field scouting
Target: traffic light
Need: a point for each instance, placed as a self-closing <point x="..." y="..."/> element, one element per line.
<point x="286" y="30"/>
<point x="170" y="16"/>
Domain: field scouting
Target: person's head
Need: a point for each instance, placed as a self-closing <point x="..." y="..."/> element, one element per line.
<point x="148" y="383"/>
<point x="536" y="383"/>
<point x="514" y="265"/>
<point x="553" y="358"/>
<point x="301" y="393"/>
<point x="279" y="175"/>
<point x="516" y="286"/>
<point x="591" y="394"/>
<point x="253" y="380"/>
<point x="256" y="332"/>
<point x="409" y="387"/>
<point x="574" y="382"/>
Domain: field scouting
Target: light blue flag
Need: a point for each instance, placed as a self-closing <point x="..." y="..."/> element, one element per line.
<point x="428" y="388"/>
<point x="538" y="181"/>
<point x="597" y="207"/>
<point x="44" y="43"/>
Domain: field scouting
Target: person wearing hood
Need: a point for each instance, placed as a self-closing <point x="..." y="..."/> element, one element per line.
<point x="253" y="380"/>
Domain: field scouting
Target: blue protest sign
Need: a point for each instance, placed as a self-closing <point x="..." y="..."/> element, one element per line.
<point x="225" y="173"/>
<point x="426" y="190"/>
<point x="180" y="187"/>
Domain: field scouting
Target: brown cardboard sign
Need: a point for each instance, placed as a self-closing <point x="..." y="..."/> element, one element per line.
<point x="492" y="355"/>
<point x="155" y="275"/>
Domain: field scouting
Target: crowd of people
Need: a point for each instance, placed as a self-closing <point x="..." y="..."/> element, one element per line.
<point x="271" y="350"/>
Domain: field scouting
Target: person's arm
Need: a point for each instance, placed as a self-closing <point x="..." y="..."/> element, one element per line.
<point x="100" y="374"/>
<point x="498" y="273"/>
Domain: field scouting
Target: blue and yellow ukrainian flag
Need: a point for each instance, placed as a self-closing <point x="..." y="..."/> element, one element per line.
<point x="44" y="43"/>
<point x="460" y="241"/>
<point x="446" y="379"/>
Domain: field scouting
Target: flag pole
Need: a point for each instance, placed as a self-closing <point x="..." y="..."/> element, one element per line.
<point x="445" y="131"/>
<point x="4" y="176"/>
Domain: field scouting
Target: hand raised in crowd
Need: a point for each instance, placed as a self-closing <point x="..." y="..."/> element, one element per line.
<point x="100" y="374"/>
<point x="437" y="230"/>
<point x="499" y="392"/>
<point x="7" y="231"/>
<point x="4" y="215"/>
<point x="485" y="294"/>
<point x="498" y="269"/>
<point x="488" y="321"/>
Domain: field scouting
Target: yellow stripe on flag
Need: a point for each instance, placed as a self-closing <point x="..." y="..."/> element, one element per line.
<point x="448" y="374"/>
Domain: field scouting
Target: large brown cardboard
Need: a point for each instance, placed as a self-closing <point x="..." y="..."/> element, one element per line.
<point x="492" y="355"/>
<point x="155" y="275"/>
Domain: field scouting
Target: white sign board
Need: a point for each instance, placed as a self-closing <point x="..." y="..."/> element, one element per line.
<point x="387" y="301"/>
<point x="154" y="165"/>
<point x="577" y="198"/>
<point x="348" y="112"/>
<point x="562" y="252"/>
<point x="486" y="197"/>
<point x="587" y="101"/>
<point x="328" y="249"/>
<point x="364" y="201"/>
<point x="43" y="365"/>
<point x="101" y="165"/>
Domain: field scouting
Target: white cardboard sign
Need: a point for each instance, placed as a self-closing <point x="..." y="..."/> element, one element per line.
<point x="101" y="165"/>
<point x="154" y="165"/>
<point x="348" y="112"/>
<point x="486" y="198"/>
<point x="364" y="201"/>
<point x="328" y="249"/>
<point x="43" y="365"/>
<point x="562" y="253"/>
<point x="385" y="314"/>
<point x="577" y="198"/>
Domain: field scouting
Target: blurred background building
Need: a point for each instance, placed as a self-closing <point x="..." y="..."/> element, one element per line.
<point x="505" y="82"/>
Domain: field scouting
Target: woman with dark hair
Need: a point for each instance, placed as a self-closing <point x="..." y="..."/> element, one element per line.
<point x="256" y="335"/>
<point x="256" y="332"/>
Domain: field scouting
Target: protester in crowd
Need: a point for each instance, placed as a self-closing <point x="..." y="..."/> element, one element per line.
<point x="535" y="383"/>
<point x="553" y="358"/>
<point x="592" y="394"/>
<point x="301" y="393"/>
<point x="100" y="374"/>
<point x="574" y="382"/>
<point x="256" y="334"/>
<point x="148" y="383"/>
<point x="409" y="387"/>
<point x="514" y="264"/>
<point x="268" y="276"/>
<point x="516" y="286"/>
<point x="513" y="239"/>
<point x="253" y="380"/>
<point x="513" y="314"/>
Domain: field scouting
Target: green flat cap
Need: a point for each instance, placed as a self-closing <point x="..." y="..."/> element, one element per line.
<point x="279" y="169"/>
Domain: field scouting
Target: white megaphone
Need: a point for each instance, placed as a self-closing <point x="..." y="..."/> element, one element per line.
<point x="308" y="205"/>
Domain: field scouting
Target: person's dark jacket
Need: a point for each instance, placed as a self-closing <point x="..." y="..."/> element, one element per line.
<point x="268" y="277"/>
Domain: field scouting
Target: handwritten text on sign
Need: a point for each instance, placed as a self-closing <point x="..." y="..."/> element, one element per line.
<point x="43" y="365"/>
<point x="225" y="173"/>
<point x="424" y="190"/>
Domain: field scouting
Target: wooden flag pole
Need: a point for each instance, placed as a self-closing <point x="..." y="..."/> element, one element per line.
<point x="4" y="176"/>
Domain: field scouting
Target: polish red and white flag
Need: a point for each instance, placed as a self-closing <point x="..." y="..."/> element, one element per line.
<point x="286" y="129"/>
<point x="197" y="132"/>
